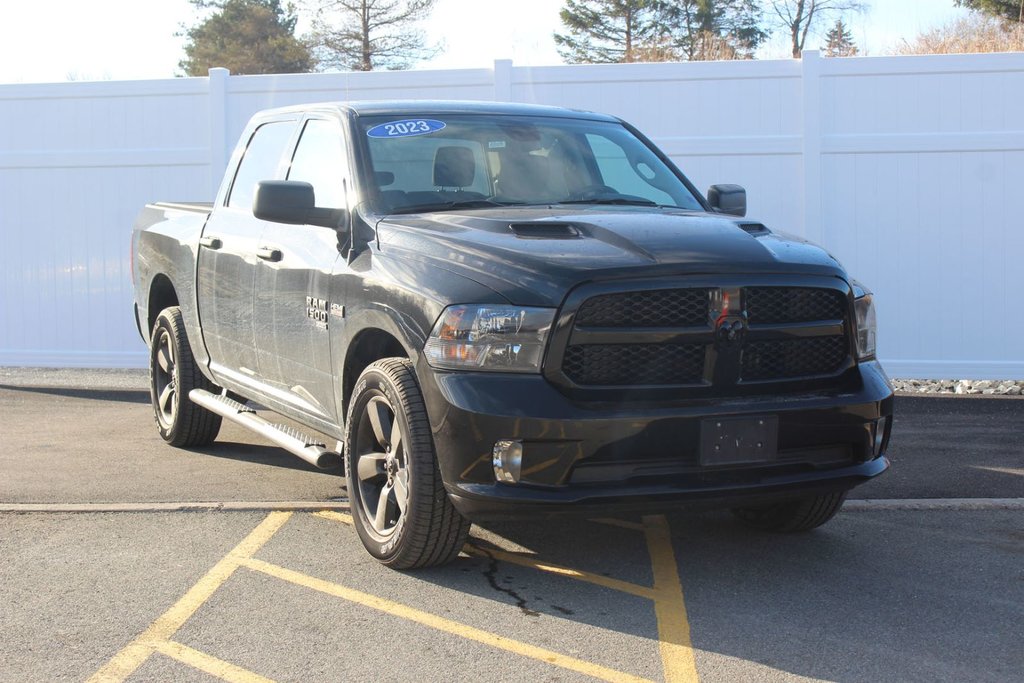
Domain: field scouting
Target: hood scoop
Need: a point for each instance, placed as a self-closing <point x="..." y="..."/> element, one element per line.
<point x="754" y="228"/>
<point x="544" y="230"/>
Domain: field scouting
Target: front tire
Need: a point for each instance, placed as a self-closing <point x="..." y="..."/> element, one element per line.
<point x="173" y="373"/>
<point x="802" y="514"/>
<point x="401" y="509"/>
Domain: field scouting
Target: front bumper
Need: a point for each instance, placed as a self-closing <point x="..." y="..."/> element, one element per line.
<point x="587" y="457"/>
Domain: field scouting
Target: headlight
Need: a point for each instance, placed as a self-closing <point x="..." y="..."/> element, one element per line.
<point x="492" y="338"/>
<point x="865" y="308"/>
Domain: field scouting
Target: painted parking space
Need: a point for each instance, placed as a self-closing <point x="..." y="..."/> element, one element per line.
<point x="931" y="595"/>
<point x="665" y="595"/>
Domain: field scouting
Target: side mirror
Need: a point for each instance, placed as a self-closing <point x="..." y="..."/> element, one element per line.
<point x="292" y="202"/>
<point x="730" y="199"/>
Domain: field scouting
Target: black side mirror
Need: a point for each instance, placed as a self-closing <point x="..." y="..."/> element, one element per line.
<point x="293" y="202"/>
<point x="730" y="199"/>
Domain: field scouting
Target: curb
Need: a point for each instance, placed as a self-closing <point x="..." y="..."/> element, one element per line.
<point x="226" y="506"/>
<point x="939" y="504"/>
<point x="878" y="505"/>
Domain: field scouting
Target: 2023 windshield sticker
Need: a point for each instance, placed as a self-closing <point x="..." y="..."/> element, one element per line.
<point x="406" y="128"/>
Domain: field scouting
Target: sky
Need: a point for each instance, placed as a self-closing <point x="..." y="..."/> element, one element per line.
<point x="62" y="40"/>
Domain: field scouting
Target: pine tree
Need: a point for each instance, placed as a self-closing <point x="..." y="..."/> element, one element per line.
<point x="839" y="42"/>
<point x="712" y="29"/>
<point x="658" y="30"/>
<point x="247" y="37"/>
<point x="1009" y="11"/>
<point x="607" y="31"/>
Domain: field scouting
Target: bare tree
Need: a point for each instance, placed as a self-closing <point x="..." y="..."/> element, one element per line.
<point x="798" y="17"/>
<point x="363" y="35"/>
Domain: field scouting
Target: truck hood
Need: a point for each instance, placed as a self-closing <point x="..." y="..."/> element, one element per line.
<point x="535" y="255"/>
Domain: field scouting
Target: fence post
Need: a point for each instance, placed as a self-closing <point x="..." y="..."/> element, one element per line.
<point x="502" y="80"/>
<point x="811" y="64"/>
<point x="218" y="92"/>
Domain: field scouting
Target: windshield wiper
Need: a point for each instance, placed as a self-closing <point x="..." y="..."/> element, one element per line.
<point x="624" y="201"/>
<point x="443" y="206"/>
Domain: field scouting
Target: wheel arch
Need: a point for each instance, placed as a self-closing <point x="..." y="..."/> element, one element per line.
<point x="367" y="346"/>
<point x="162" y="294"/>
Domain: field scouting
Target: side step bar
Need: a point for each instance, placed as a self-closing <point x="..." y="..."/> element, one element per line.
<point x="309" y="448"/>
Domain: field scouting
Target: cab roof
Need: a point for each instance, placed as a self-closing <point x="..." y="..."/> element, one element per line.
<point x="425" y="107"/>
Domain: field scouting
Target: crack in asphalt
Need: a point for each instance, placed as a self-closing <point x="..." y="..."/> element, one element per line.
<point x="491" y="574"/>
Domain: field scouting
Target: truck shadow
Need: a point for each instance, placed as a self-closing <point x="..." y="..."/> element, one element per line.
<point x="118" y="395"/>
<point x="259" y="454"/>
<point x="871" y="596"/>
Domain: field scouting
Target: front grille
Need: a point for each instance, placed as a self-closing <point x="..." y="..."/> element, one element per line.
<point x="667" y="337"/>
<point x="774" y="305"/>
<point x="655" y="308"/>
<point x="785" y="359"/>
<point x="634" y="364"/>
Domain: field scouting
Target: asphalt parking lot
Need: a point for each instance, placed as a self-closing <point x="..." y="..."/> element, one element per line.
<point x="911" y="583"/>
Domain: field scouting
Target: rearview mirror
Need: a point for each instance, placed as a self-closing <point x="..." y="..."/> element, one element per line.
<point x="292" y="202"/>
<point x="730" y="199"/>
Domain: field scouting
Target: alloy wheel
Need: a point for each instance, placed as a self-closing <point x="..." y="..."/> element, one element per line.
<point x="164" y="379"/>
<point x="381" y="466"/>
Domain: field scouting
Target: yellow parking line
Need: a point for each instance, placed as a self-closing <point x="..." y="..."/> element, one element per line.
<point x="211" y="665"/>
<point x="439" y="623"/>
<point x="674" y="643"/>
<point x="125" y="662"/>
<point x="669" y="606"/>
<point x="528" y="561"/>
<point x="633" y="526"/>
<point x="334" y="516"/>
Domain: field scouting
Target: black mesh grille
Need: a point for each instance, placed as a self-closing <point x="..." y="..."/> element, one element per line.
<point x="781" y="359"/>
<point x="655" y="308"/>
<point x="772" y="305"/>
<point x="634" y="364"/>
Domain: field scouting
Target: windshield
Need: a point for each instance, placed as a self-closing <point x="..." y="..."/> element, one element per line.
<point x="477" y="161"/>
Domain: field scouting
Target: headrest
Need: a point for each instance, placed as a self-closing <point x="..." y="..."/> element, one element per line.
<point x="454" y="167"/>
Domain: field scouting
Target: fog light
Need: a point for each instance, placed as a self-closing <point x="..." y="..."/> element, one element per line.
<point x="508" y="460"/>
<point x="879" y="436"/>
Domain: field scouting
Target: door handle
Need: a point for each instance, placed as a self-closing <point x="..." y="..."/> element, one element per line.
<point x="269" y="254"/>
<point x="210" y="242"/>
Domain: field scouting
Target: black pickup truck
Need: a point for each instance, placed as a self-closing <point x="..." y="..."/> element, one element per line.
<point x="500" y="310"/>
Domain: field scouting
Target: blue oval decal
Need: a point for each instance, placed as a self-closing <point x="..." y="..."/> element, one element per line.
<point x="405" y="128"/>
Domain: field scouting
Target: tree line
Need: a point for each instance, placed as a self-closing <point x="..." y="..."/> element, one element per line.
<point x="259" y="36"/>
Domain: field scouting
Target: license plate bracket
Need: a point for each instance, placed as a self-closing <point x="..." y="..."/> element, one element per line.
<point x="739" y="440"/>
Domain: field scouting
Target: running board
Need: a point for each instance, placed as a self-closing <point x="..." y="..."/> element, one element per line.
<point x="309" y="448"/>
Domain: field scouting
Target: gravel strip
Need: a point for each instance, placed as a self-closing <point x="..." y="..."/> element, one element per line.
<point x="76" y="378"/>
<point x="983" y="387"/>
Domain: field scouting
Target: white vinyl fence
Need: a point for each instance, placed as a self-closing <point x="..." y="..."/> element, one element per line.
<point x="909" y="169"/>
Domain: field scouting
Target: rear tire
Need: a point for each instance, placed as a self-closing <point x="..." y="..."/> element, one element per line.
<point x="802" y="514"/>
<point x="173" y="373"/>
<point x="399" y="504"/>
